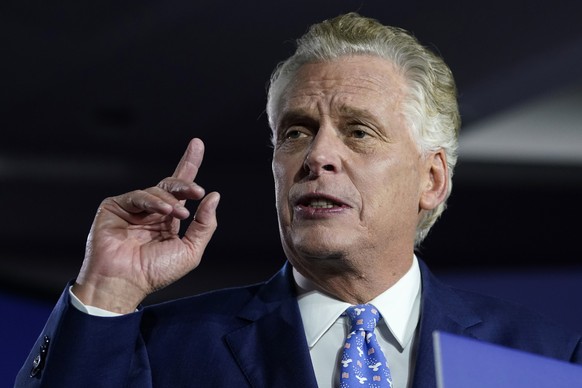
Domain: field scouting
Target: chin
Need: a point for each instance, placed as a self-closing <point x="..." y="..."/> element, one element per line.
<point x="321" y="245"/>
<point x="316" y="267"/>
<point x="318" y="255"/>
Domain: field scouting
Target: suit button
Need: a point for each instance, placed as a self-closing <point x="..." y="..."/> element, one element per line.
<point x="38" y="362"/>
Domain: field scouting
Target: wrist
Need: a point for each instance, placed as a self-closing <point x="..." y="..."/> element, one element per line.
<point x="91" y="310"/>
<point x="110" y="296"/>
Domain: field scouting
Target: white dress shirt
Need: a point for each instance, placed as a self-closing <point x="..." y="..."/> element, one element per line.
<point x="326" y="329"/>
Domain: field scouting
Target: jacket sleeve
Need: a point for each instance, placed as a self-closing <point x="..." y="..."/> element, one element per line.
<point x="577" y="354"/>
<point x="79" y="350"/>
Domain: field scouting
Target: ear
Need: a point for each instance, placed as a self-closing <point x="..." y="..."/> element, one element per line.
<point x="436" y="181"/>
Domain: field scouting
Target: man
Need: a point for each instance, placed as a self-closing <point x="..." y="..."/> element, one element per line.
<point x="365" y="125"/>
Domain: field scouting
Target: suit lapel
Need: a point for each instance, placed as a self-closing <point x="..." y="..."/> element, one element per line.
<point x="272" y="350"/>
<point x="442" y="309"/>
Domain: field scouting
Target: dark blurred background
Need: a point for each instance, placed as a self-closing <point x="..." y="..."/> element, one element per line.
<point x="98" y="98"/>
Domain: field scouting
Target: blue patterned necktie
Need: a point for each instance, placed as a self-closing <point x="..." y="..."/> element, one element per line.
<point x="363" y="363"/>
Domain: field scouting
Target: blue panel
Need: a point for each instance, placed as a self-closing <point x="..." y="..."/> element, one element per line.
<point x="463" y="362"/>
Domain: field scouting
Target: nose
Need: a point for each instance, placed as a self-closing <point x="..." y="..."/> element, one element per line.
<point x="324" y="154"/>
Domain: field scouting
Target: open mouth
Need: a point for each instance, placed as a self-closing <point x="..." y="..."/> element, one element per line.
<point x="320" y="202"/>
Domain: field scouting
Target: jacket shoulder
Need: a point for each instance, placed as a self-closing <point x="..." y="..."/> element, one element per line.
<point x="509" y="324"/>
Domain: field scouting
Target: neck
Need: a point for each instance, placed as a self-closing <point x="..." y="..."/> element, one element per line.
<point x="351" y="281"/>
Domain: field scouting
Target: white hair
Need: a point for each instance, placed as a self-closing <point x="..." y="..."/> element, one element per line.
<point x="430" y="108"/>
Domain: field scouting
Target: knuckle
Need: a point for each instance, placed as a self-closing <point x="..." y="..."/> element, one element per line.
<point x="168" y="185"/>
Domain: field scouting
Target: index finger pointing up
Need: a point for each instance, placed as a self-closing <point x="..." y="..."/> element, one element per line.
<point x="191" y="160"/>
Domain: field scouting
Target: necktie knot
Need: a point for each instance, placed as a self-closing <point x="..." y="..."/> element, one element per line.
<point x="363" y="317"/>
<point x="363" y="364"/>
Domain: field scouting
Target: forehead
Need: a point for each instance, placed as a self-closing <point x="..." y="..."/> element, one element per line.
<point x="360" y="82"/>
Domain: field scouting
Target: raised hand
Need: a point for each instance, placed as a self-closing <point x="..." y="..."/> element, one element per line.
<point x="134" y="248"/>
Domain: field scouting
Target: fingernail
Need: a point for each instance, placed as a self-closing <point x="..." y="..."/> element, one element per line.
<point x="216" y="201"/>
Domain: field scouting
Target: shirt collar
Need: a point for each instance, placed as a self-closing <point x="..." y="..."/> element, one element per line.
<point x="399" y="306"/>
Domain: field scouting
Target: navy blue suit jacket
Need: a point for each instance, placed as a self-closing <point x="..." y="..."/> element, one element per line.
<point x="254" y="337"/>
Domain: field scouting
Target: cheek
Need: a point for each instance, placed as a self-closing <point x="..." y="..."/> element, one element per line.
<point x="282" y="186"/>
<point x="279" y="193"/>
<point x="286" y="170"/>
<point x="278" y="171"/>
<point x="282" y="164"/>
<point x="391" y="188"/>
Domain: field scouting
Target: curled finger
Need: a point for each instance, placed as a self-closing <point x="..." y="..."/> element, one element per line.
<point x="181" y="189"/>
<point x="142" y="201"/>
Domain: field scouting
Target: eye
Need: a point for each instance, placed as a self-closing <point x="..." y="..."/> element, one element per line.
<point x="293" y="134"/>
<point x="359" y="133"/>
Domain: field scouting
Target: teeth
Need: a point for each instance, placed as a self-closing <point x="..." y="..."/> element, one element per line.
<point x="321" y="203"/>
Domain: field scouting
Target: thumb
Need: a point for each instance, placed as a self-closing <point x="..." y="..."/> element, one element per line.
<point x="204" y="223"/>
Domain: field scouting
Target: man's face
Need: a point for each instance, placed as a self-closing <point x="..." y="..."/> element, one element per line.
<point x="348" y="176"/>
